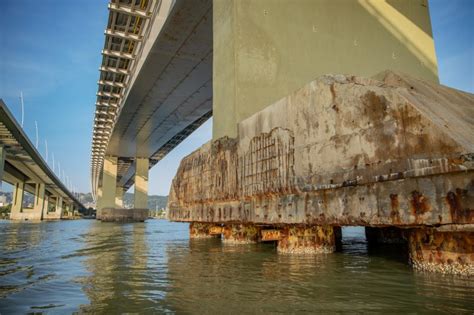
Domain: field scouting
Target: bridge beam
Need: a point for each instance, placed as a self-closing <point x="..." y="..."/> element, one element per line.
<point x="141" y="183"/>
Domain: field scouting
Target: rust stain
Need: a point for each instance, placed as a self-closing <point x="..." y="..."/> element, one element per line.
<point x="459" y="213"/>
<point x="216" y="230"/>
<point x="420" y="205"/>
<point x="270" y="235"/>
<point x="441" y="251"/>
<point x="395" y="210"/>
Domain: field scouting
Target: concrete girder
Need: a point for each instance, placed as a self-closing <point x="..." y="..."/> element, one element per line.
<point x="111" y="83"/>
<point x="129" y="11"/>
<point x="114" y="70"/>
<point x="124" y="35"/>
<point x="118" y="54"/>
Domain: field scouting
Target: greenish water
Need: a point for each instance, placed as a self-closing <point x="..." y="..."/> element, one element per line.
<point x="103" y="268"/>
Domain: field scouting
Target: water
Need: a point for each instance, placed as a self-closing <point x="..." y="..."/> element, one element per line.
<point x="90" y="267"/>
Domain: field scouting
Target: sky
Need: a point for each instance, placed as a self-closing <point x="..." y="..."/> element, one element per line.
<point x="50" y="51"/>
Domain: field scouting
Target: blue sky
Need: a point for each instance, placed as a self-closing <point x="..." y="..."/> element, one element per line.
<point x="50" y="50"/>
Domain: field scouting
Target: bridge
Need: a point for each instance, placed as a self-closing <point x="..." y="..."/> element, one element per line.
<point x="296" y="153"/>
<point x="22" y="166"/>
<point x="155" y="88"/>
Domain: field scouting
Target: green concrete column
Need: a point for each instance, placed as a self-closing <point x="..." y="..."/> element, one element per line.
<point x="109" y="182"/>
<point x="119" y="192"/>
<point x="141" y="183"/>
<point x="259" y="57"/>
<point x="2" y="162"/>
<point x="17" y="202"/>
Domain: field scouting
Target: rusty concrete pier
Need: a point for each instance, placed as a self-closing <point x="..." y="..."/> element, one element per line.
<point x="390" y="152"/>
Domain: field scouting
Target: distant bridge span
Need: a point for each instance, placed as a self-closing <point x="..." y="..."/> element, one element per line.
<point x="22" y="166"/>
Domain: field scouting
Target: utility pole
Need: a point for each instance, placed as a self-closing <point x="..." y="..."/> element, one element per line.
<point x="22" y="109"/>
<point x="46" y="145"/>
<point x="37" y="139"/>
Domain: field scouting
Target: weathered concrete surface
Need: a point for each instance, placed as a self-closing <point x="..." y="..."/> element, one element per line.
<point x="26" y="215"/>
<point x="342" y="150"/>
<point x="445" y="252"/>
<point x="121" y="215"/>
<point x="203" y="230"/>
<point x="241" y="233"/>
<point x="307" y="240"/>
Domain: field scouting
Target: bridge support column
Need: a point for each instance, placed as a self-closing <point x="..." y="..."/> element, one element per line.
<point x="2" y="162"/>
<point x="450" y="252"/>
<point x="98" y="204"/>
<point x="296" y="239"/>
<point x="45" y="209"/>
<point x="109" y="183"/>
<point x="204" y="230"/>
<point x="17" y="202"/>
<point x="39" y="199"/>
<point x="241" y="233"/>
<point x="141" y="183"/>
<point x="59" y="208"/>
<point x="119" y="192"/>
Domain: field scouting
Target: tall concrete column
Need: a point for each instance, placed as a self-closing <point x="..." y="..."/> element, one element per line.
<point x="2" y="163"/>
<point x="109" y="182"/>
<point x="141" y="183"/>
<point x="39" y="198"/>
<point x="45" y="206"/>
<point x="258" y="60"/>
<point x="119" y="192"/>
<point x="98" y="204"/>
<point x="59" y="207"/>
<point x="17" y="202"/>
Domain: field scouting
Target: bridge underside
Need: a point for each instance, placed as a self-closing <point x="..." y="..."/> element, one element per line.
<point x="171" y="95"/>
<point x="343" y="150"/>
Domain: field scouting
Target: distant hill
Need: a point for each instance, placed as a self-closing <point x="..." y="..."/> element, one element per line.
<point x="154" y="201"/>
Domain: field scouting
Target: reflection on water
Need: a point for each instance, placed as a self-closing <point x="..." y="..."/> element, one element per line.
<point x="153" y="267"/>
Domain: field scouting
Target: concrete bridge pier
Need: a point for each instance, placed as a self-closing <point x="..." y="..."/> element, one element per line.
<point x="241" y="233"/>
<point x="204" y="230"/>
<point x="141" y="183"/>
<point x="17" y="202"/>
<point x="302" y="239"/>
<point x="110" y="197"/>
<point x="442" y="250"/>
<point x="55" y="212"/>
<point x="119" y="192"/>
